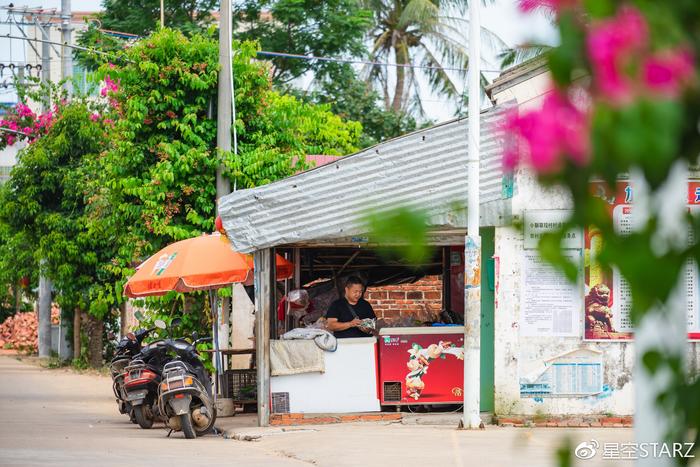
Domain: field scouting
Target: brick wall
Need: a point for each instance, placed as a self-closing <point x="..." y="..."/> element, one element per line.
<point x="421" y="300"/>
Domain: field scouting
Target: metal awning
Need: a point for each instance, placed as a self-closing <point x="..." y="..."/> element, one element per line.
<point x="426" y="169"/>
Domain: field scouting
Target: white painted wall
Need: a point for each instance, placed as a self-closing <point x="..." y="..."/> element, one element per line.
<point x="511" y="349"/>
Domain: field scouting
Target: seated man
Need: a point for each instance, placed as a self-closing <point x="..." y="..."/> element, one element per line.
<point x="345" y="315"/>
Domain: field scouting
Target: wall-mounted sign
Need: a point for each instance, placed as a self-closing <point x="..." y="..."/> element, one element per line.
<point x="538" y="222"/>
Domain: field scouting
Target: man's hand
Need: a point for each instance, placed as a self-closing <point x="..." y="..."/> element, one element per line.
<point x="355" y="323"/>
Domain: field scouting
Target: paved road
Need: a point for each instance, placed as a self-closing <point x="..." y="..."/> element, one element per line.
<point x="59" y="418"/>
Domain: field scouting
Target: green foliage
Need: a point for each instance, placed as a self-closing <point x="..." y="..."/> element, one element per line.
<point x="156" y="183"/>
<point x="354" y="99"/>
<point x="401" y="233"/>
<point x="142" y="17"/>
<point x="425" y="32"/>
<point x="95" y="40"/>
<point x="304" y="27"/>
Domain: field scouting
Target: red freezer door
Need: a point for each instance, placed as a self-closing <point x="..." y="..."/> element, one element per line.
<point x="421" y="368"/>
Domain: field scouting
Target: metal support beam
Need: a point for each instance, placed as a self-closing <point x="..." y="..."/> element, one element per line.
<point x="263" y="310"/>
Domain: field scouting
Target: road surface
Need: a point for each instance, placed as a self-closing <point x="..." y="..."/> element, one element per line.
<point x="61" y="418"/>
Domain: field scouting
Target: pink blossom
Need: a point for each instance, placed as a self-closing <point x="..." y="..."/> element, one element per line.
<point x="108" y="121"/>
<point x="667" y="72"/>
<point x="94" y="117"/>
<point x="110" y="86"/>
<point x="10" y="140"/>
<point x="23" y="110"/>
<point x="611" y="45"/>
<point x="27" y="130"/>
<point x="543" y="137"/>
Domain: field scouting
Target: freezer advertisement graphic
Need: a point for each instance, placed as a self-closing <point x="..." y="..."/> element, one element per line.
<point x="428" y="368"/>
<point x="608" y="300"/>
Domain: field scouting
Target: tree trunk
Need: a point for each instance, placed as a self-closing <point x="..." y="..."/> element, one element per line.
<point x="95" y="327"/>
<point x="122" y="320"/>
<point x="18" y="297"/>
<point x="401" y="59"/>
<point x="76" y="334"/>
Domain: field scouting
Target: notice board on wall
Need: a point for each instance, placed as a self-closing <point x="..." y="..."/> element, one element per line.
<point x="549" y="304"/>
<point x="608" y="301"/>
<point x="577" y="373"/>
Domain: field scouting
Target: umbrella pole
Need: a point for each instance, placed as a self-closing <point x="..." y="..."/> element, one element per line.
<point x="217" y="354"/>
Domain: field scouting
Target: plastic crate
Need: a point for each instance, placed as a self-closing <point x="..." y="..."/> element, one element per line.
<point x="240" y="385"/>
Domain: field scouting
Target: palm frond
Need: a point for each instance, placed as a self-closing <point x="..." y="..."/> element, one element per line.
<point x="511" y="56"/>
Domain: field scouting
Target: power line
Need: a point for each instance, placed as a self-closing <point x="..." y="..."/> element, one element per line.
<point x="87" y="49"/>
<point x="363" y="62"/>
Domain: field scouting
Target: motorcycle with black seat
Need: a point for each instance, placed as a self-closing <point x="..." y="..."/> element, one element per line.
<point x="126" y="350"/>
<point x="185" y="399"/>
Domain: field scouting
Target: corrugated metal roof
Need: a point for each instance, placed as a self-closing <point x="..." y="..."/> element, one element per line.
<point x="426" y="169"/>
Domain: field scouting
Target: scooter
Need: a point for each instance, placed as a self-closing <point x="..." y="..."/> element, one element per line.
<point x="185" y="400"/>
<point x="127" y="348"/>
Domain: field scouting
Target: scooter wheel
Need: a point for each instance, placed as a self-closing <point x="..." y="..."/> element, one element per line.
<point x="143" y="416"/>
<point x="187" y="428"/>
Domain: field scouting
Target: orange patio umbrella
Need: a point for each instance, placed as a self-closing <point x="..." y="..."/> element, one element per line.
<point x="200" y="263"/>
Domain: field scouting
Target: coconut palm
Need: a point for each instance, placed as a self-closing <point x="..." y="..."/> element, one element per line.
<point x="430" y="33"/>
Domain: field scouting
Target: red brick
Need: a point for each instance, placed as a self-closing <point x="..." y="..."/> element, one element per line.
<point x="605" y="420"/>
<point x="391" y="416"/>
<point x="414" y="295"/>
<point x="397" y="295"/>
<point x="541" y="424"/>
<point x="370" y="418"/>
<point x="432" y="295"/>
<point x="349" y="418"/>
<point x="551" y="424"/>
<point x="513" y="420"/>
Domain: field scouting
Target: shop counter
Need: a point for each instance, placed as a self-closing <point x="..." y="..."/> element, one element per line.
<point x="349" y="383"/>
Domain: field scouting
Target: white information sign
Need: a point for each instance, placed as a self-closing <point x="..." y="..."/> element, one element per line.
<point x="550" y="304"/>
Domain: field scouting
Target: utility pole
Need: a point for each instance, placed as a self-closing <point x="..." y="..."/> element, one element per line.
<point x="162" y="13"/>
<point x="472" y="244"/>
<point x="66" y="51"/>
<point x="44" y="330"/>
<point x="223" y="138"/>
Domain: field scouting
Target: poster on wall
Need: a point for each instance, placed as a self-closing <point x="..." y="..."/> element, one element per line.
<point x="608" y="299"/>
<point x="577" y="373"/>
<point x="550" y="305"/>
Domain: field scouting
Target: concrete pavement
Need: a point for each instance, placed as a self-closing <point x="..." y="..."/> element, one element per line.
<point x="58" y="417"/>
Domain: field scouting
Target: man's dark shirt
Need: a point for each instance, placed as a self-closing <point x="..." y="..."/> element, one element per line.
<point x="340" y="309"/>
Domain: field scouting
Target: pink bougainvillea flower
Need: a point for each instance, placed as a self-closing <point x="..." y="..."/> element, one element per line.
<point x="612" y="45"/>
<point x="667" y="72"/>
<point x="544" y="137"/>
<point x="23" y="110"/>
<point x="94" y="117"/>
<point x="110" y="86"/>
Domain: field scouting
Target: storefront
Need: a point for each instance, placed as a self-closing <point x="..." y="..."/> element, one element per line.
<point x="317" y="219"/>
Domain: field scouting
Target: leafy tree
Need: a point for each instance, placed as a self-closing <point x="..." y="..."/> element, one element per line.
<point x="141" y="17"/>
<point x="425" y="32"/>
<point x="304" y="27"/>
<point x="156" y="184"/>
<point x="354" y="99"/>
<point x="44" y="208"/>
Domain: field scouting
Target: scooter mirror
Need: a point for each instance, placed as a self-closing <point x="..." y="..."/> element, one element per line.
<point x="195" y="336"/>
<point x="175" y="322"/>
<point x="131" y="336"/>
<point x="160" y="324"/>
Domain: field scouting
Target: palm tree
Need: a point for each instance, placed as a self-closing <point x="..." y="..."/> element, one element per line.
<point x="430" y="33"/>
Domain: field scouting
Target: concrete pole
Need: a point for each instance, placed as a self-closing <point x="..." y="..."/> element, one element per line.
<point x="66" y="51"/>
<point x="162" y="13"/>
<point x="223" y="134"/>
<point x="472" y="251"/>
<point x="44" y="282"/>
<point x="263" y="310"/>
<point x="663" y="328"/>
